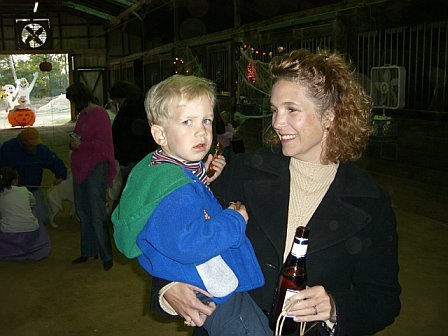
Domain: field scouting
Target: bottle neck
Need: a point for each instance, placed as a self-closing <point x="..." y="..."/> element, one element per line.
<point x="218" y="149"/>
<point x="300" y="247"/>
<point x="300" y="244"/>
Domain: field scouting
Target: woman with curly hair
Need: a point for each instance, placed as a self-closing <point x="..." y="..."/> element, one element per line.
<point x="321" y="123"/>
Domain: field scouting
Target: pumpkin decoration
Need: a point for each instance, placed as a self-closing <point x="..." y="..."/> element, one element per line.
<point x="22" y="114"/>
<point x="45" y="66"/>
<point x="21" y="117"/>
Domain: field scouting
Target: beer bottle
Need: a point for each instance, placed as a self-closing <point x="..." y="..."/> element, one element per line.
<point x="218" y="151"/>
<point x="292" y="279"/>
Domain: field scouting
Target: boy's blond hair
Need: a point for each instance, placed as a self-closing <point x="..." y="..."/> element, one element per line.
<point x="161" y="98"/>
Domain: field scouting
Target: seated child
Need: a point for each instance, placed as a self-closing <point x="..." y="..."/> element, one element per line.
<point x="21" y="235"/>
<point x="185" y="236"/>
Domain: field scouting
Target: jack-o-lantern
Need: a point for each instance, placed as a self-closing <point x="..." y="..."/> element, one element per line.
<point x="45" y="66"/>
<point x="21" y="117"/>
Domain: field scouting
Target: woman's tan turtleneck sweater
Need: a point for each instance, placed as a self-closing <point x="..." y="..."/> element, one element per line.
<point x="309" y="184"/>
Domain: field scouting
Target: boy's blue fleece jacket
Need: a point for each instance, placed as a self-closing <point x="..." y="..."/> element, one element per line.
<point x="185" y="227"/>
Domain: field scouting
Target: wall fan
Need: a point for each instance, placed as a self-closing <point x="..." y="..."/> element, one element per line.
<point x="388" y="86"/>
<point x="33" y="34"/>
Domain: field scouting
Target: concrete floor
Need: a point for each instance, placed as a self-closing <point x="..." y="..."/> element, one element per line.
<point x="54" y="297"/>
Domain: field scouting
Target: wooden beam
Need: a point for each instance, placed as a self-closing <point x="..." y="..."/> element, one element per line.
<point x="131" y="10"/>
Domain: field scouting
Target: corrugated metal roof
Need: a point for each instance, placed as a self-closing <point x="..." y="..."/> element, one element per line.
<point x="99" y="10"/>
<point x="112" y="11"/>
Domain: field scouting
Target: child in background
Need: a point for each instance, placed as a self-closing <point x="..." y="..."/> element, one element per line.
<point x="21" y="235"/>
<point x="186" y="236"/>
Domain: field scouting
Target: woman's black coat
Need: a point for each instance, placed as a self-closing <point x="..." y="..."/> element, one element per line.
<point x="352" y="248"/>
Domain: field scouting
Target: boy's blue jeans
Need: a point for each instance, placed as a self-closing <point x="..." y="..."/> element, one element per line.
<point x="239" y="316"/>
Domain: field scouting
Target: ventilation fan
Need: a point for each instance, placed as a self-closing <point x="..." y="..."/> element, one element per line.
<point x="388" y="86"/>
<point x="33" y="34"/>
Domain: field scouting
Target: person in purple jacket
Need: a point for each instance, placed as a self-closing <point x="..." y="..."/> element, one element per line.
<point x="93" y="170"/>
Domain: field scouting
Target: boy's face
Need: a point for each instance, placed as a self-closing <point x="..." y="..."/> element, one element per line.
<point x="187" y="135"/>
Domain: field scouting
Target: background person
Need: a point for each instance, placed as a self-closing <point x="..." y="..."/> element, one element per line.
<point x="130" y="130"/>
<point x="29" y="156"/>
<point x="21" y="235"/>
<point x="321" y="119"/>
<point x="93" y="170"/>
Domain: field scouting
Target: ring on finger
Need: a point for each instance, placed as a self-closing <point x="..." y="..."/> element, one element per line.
<point x="187" y="323"/>
<point x="315" y="310"/>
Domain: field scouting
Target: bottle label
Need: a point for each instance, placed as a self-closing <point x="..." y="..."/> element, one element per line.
<point x="299" y="248"/>
<point x="289" y="292"/>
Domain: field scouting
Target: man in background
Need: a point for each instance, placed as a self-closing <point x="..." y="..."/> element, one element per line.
<point x="29" y="156"/>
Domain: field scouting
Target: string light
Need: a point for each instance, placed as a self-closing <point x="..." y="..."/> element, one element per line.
<point x="258" y="53"/>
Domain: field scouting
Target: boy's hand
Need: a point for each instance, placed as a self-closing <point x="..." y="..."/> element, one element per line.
<point x="238" y="206"/>
<point x="218" y="162"/>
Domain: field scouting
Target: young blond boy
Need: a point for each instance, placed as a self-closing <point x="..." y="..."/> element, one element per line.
<point x="184" y="235"/>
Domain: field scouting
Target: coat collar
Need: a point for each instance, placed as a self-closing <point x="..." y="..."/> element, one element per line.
<point x="268" y="190"/>
<point x="338" y="217"/>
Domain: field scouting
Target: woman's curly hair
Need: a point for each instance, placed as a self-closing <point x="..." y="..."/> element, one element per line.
<point x="332" y="86"/>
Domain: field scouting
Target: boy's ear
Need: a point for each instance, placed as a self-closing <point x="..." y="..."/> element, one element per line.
<point x="158" y="133"/>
